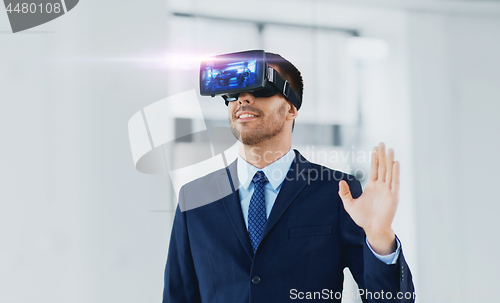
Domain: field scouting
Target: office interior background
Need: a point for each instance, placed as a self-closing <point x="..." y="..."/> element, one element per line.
<point x="79" y="223"/>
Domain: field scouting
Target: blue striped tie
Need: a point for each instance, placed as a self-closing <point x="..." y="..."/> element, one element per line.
<point x="257" y="210"/>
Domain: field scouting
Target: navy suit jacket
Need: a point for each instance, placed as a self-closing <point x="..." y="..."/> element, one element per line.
<point x="308" y="241"/>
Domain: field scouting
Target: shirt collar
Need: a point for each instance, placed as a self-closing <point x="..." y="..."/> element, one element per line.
<point x="275" y="172"/>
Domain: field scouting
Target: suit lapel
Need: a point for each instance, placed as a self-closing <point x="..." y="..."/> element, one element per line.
<point x="296" y="179"/>
<point x="233" y="207"/>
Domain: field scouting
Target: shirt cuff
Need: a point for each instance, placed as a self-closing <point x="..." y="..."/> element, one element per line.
<point x="390" y="258"/>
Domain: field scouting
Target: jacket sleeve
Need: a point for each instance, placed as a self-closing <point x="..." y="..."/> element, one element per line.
<point x="181" y="283"/>
<point x="377" y="281"/>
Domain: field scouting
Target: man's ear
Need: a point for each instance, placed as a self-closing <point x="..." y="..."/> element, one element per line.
<point x="292" y="112"/>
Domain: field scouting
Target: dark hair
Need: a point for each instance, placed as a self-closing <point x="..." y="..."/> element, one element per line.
<point x="289" y="72"/>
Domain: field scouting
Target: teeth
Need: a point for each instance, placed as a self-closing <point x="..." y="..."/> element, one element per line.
<point x="247" y="116"/>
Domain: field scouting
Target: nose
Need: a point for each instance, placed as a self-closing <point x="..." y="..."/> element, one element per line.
<point x="246" y="98"/>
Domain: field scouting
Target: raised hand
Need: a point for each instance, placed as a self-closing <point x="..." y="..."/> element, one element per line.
<point x="374" y="210"/>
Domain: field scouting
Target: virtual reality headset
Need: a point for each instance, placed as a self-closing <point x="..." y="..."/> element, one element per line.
<point x="229" y="75"/>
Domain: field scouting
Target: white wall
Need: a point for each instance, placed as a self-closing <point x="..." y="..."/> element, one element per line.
<point x="455" y="63"/>
<point x="75" y="220"/>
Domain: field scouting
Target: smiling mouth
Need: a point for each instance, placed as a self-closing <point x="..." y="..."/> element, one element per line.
<point x="244" y="116"/>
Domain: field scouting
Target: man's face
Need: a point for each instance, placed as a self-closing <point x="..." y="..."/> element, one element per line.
<point x="254" y="119"/>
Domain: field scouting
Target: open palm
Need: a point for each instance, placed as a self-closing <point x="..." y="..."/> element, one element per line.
<point x="374" y="210"/>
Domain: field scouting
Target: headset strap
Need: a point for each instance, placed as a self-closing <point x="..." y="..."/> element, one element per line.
<point x="283" y="86"/>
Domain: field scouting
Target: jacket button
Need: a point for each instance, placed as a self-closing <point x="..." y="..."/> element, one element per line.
<point x="256" y="280"/>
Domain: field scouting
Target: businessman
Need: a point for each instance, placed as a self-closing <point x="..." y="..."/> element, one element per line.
<point x="280" y="228"/>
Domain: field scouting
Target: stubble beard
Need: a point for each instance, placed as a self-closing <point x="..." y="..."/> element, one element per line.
<point x="264" y="131"/>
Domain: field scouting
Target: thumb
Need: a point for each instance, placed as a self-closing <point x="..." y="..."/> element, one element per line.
<point x="345" y="193"/>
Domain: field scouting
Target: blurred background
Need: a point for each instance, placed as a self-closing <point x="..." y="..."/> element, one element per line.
<point x="79" y="223"/>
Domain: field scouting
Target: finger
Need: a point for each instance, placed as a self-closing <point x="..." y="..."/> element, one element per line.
<point x="395" y="177"/>
<point x="374" y="165"/>
<point x="390" y="163"/>
<point x="345" y="193"/>
<point x="382" y="164"/>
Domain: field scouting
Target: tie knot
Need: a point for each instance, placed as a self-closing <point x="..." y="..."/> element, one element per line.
<point x="259" y="177"/>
